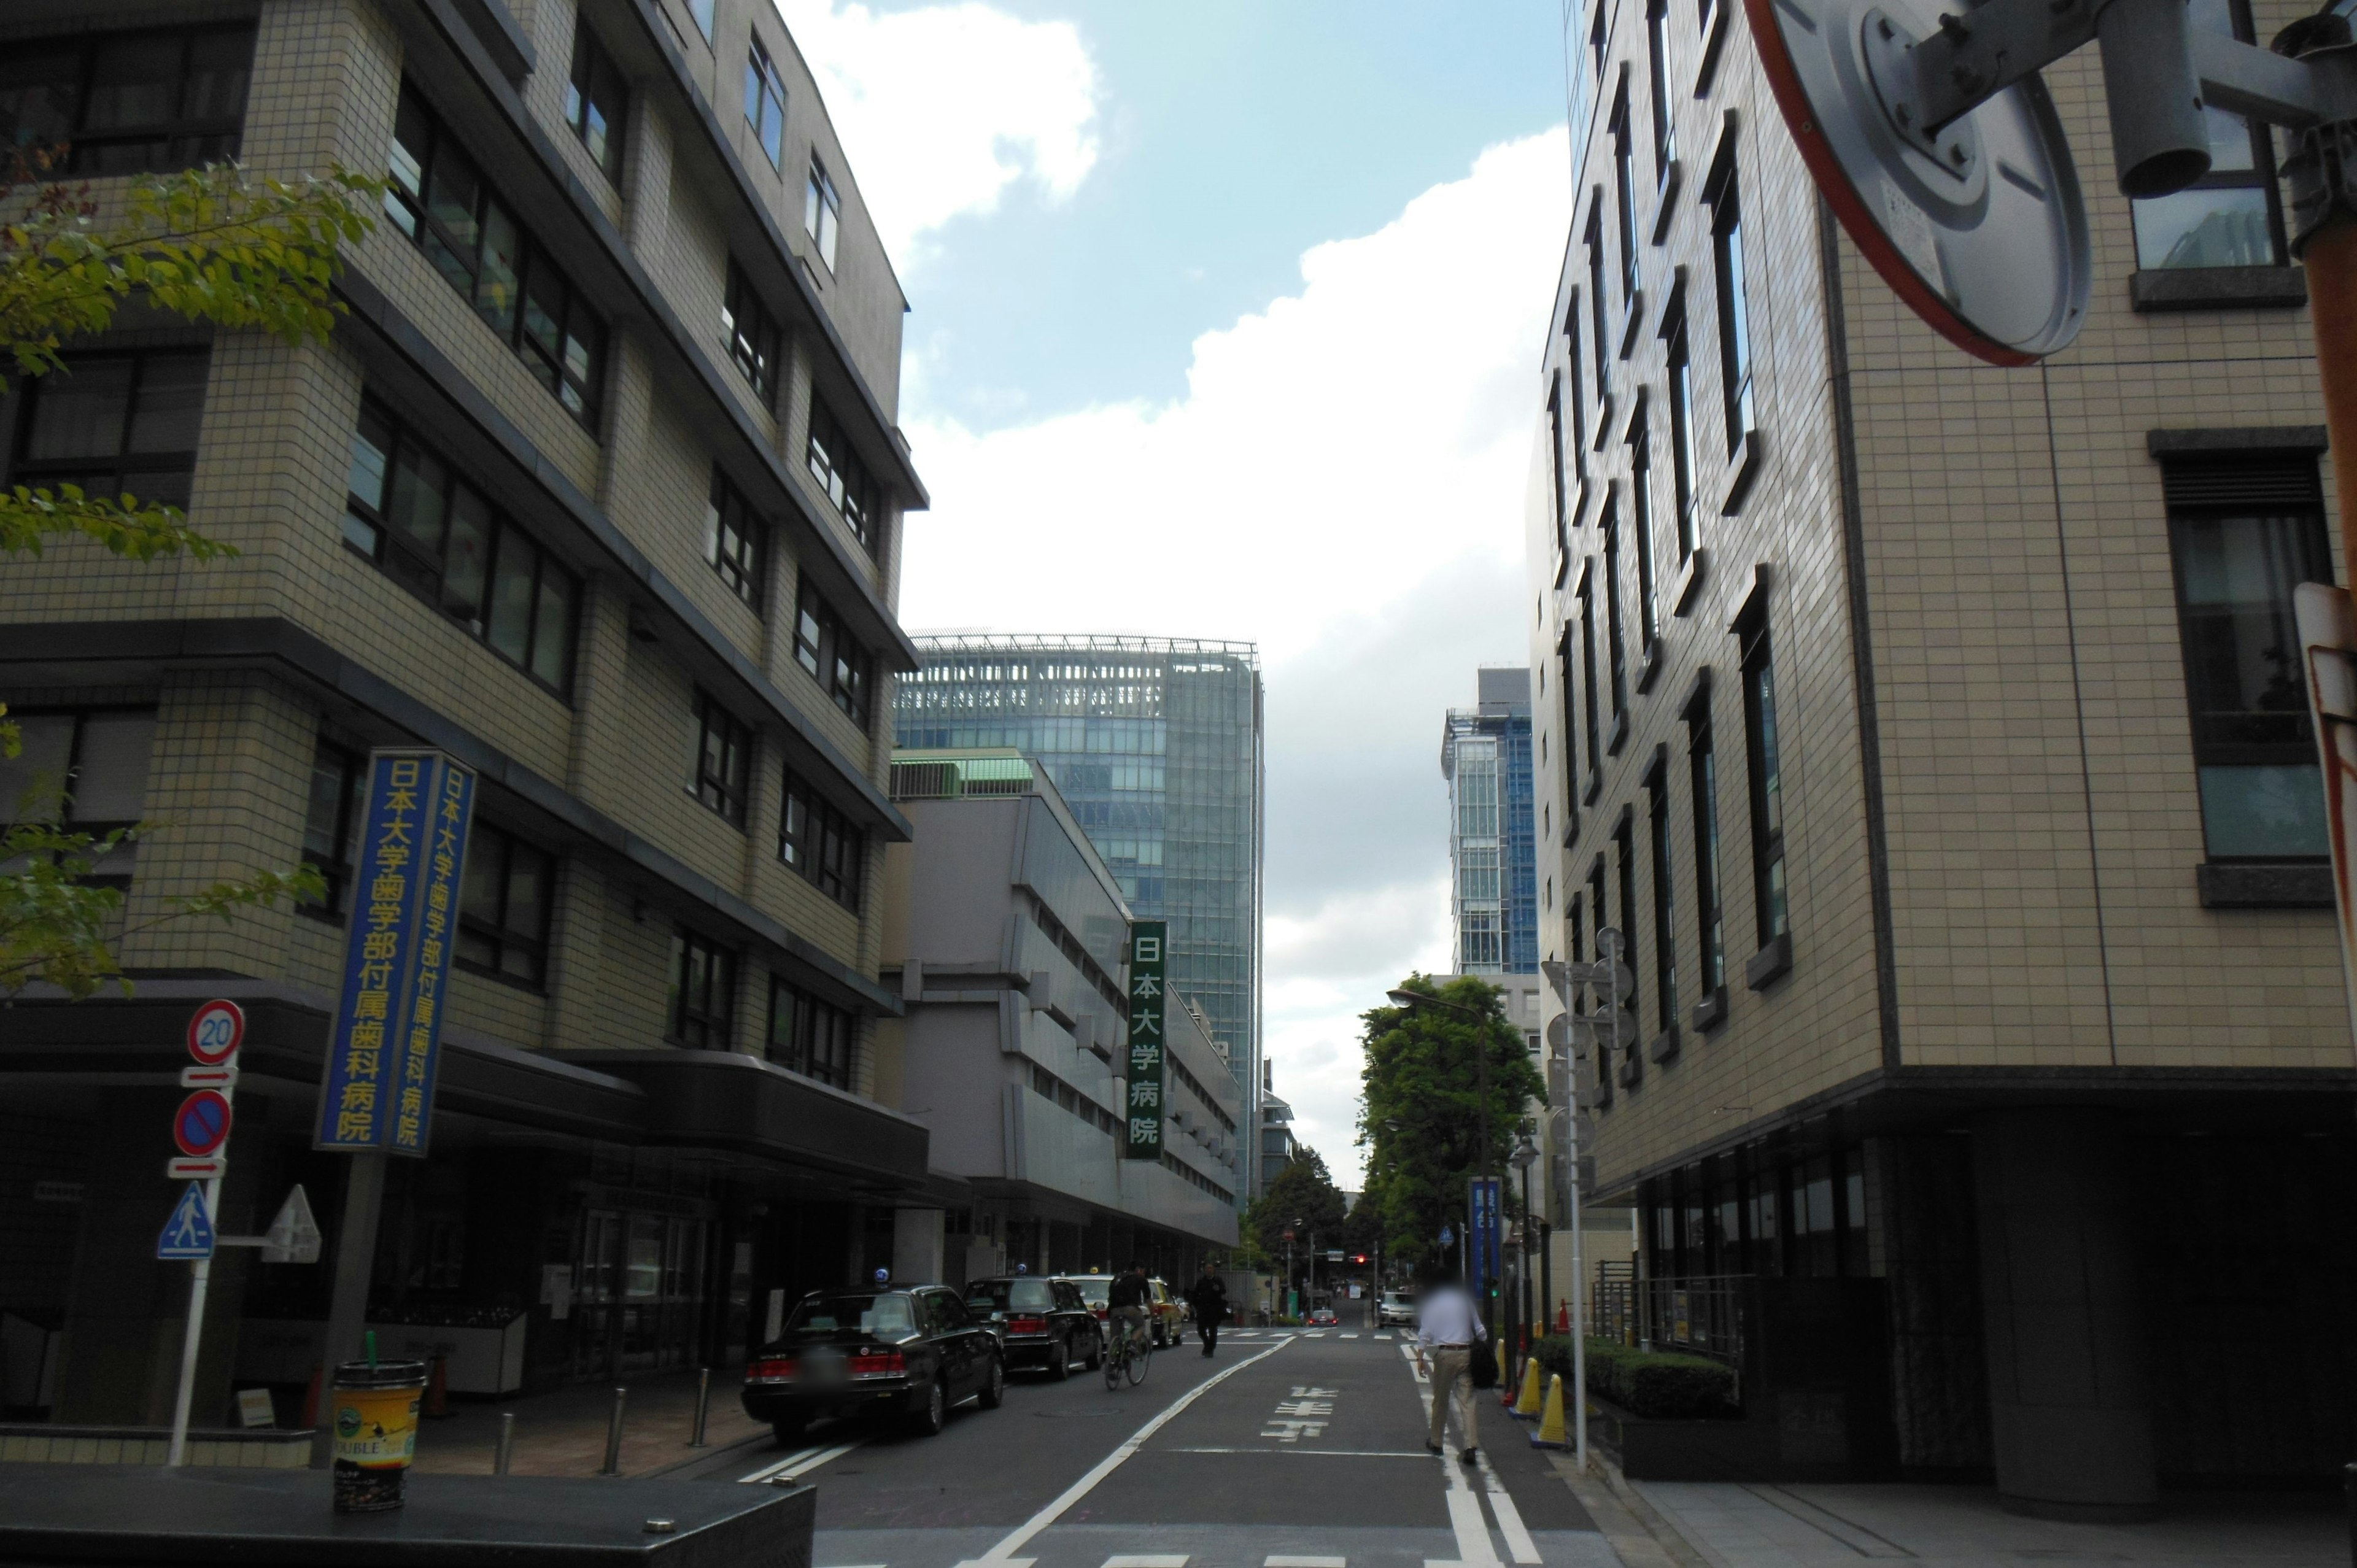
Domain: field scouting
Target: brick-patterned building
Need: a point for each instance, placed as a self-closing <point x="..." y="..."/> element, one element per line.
<point x="1934" y="734"/>
<point x="597" y="487"/>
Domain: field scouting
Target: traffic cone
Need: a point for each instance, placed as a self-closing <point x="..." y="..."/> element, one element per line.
<point x="1527" y="1407"/>
<point x="1550" y="1433"/>
<point x="1563" y="1317"/>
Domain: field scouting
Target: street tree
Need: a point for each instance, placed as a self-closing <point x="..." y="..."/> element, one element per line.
<point x="1302" y="1198"/>
<point x="212" y="245"/>
<point x="1420" y="1107"/>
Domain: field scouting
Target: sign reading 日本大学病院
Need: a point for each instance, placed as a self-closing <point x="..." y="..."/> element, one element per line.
<point x="1143" y="1116"/>
<point x="377" y="1091"/>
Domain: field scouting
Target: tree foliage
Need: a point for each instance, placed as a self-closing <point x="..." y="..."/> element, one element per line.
<point x="1420" y="1110"/>
<point x="1304" y="1199"/>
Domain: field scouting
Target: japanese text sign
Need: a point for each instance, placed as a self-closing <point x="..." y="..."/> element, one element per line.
<point x="1482" y="1234"/>
<point x="377" y="1091"/>
<point x="1148" y="943"/>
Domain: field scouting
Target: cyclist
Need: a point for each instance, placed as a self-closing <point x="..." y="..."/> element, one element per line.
<point x="1127" y="1304"/>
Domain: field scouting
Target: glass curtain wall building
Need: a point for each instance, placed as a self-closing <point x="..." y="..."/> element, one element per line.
<point x="1485" y="755"/>
<point x="1156" y="745"/>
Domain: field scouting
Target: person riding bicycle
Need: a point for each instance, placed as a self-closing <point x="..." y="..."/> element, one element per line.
<point x="1128" y="1303"/>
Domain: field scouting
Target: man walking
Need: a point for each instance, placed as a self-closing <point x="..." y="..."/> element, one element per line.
<point x="1210" y="1301"/>
<point x="1446" y="1328"/>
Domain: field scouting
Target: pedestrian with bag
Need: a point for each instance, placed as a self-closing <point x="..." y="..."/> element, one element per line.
<point x="1209" y="1299"/>
<point x="1449" y="1339"/>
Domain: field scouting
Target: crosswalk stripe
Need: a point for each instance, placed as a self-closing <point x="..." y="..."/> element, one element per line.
<point x="1177" y="1562"/>
<point x="1350" y="1337"/>
<point x="1383" y="1336"/>
<point x="1281" y="1561"/>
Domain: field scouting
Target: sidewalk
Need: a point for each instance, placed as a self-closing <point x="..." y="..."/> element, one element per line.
<point x="564" y="1433"/>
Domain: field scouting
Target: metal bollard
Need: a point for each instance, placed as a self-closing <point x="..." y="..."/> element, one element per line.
<point x="504" y="1452"/>
<point x="703" y="1404"/>
<point x="613" y="1465"/>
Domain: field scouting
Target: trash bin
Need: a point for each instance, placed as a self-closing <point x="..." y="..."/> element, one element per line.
<point x="374" y="1407"/>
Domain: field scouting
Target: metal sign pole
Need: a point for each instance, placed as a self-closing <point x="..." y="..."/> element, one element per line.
<point x="199" y="1279"/>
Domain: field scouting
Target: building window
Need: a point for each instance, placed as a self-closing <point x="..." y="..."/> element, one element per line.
<point x="1734" y="315"/>
<point x="1612" y="614"/>
<point x="702" y="992"/>
<point x="147" y="102"/>
<point x="1681" y="450"/>
<point x="1566" y="675"/>
<point x="1624" y="855"/>
<point x="1595" y="245"/>
<point x="827" y="652"/>
<point x="1555" y="460"/>
<point x="1641" y="524"/>
<point x="732" y="541"/>
<point x="823" y="213"/>
<point x="756" y="341"/>
<point x="2244" y="533"/>
<point x="331" y="823"/>
<point x="503" y="906"/>
<point x="84" y="771"/>
<point x="1767" y="778"/>
<point x="1588" y="687"/>
<point x="701" y="12"/>
<point x="1578" y="396"/>
<point x="1624" y="191"/>
<point x="595" y="97"/>
<point x="437" y="536"/>
<point x="116" y="425"/>
<point x="1710" y="916"/>
<point x="764" y="103"/>
<point x="810" y="1037"/>
<point x="440" y="200"/>
<point x="821" y="843"/>
<point x="2231" y="217"/>
<point x="724" y="758"/>
<point x="841" y="474"/>
<point x="1657" y="70"/>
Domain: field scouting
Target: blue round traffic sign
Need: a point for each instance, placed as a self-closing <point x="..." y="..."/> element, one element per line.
<point x="201" y="1124"/>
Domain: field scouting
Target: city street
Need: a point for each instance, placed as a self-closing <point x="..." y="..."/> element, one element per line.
<point x="1287" y="1450"/>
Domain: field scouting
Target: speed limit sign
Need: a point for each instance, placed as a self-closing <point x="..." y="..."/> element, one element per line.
<point x="215" y="1031"/>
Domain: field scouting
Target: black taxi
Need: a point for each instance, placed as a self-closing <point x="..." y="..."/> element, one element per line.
<point x="910" y="1351"/>
<point x="1040" y="1322"/>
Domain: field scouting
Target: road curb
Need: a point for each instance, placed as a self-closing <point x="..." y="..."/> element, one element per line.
<point x="1637" y="1534"/>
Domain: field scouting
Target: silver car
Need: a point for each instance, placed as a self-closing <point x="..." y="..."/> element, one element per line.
<point x="1396" y="1307"/>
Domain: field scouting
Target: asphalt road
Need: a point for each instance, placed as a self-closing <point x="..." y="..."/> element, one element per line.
<point x="1287" y="1450"/>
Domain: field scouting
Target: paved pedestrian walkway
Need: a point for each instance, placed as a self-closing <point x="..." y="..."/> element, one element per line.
<point x="564" y="1433"/>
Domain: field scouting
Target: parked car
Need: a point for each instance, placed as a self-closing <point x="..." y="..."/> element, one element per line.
<point x="910" y="1351"/>
<point x="1163" y="1325"/>
<point x="1396" y="1307"/>
<point x="1170" y="1316"/>
<point x="1039" y="1323"/>
<point x="1322" y="1317"/>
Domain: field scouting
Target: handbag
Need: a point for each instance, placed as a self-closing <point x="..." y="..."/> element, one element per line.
<point x="1481" y="1364"/>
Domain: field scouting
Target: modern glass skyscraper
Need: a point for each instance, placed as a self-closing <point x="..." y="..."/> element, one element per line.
<point x="1485" y="755"/>
<point x="1156" y="745"/>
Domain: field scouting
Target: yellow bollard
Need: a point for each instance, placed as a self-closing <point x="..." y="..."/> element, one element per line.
<point x="1551" y="1432"/>
<point x="1526" y="1408"/>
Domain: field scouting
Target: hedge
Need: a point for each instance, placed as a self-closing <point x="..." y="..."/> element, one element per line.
<point x="1657" y="1384"/>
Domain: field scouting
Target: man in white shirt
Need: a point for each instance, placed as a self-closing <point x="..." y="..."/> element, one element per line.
<point x="1447" y="1325"/>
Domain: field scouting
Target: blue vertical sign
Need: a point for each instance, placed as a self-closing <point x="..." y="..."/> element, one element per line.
<point x="377" y="1091"/>
<point x="1482" y="1234"/>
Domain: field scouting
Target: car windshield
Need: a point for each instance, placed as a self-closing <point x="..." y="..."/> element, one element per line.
<point x="1095" y="1292"/>
<point x="870" y="1314"/>
<point x="1009" y="1295"/>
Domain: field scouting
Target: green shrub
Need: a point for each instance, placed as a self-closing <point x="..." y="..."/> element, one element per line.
<point x="1656" y="1384"/>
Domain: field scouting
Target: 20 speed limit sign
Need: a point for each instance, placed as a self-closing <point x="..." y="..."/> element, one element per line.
<point x="216" y="1032"/>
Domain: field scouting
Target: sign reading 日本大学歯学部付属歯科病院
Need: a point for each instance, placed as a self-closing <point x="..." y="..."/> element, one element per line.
<point x="1143" y="1096"/>
<point x="377" y="1091"/>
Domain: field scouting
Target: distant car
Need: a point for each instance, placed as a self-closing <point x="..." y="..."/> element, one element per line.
<point x="1322" y="1317"/>
<point x="909" y="1351"/>
<point x="1396" y="1307"/>
<point x="1039" y="1323"/>
<point x="1170" y="1316"/>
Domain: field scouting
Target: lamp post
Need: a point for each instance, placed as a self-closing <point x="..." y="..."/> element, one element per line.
<point x="1525" y="1153"/>
<point x="1411" y="1000"/>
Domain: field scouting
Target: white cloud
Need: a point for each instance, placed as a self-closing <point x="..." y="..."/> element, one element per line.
<point x="1343" y="483"/>
<point x="942" y="108"/>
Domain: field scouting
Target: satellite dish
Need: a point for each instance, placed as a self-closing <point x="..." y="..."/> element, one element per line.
<point x="1979" y="227"/>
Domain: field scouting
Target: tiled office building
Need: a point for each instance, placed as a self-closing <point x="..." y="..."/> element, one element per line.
<point x="1935" y="734"/>
<point x="597" y="487"/>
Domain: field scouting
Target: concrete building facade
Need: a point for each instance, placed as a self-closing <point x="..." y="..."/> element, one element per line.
<point x="597" y="487"/>
<point x="1934" y="736"/>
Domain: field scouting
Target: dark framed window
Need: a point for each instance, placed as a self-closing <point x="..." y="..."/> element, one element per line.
<point x="764" y="103"/>
<point x="724" y="759"/>
<point x="2244" y="532"/>
<point x="1665" y="912"/>
<point x="1624" y="193"/>
<point x="733" y="540"/>
<point x="1571" y="351"/>
<point x="406" y="509"/>
<point x="821" y="843"/>
<point x="1624" y="859"/>
<point x="830" y="656"/>
<point x="810" y="1037"/>
<point x="756" y="341"/>
<point x="823" y="213"/>
<point x="1588" y="687"/>
<point x="1555" y="464"/>
<point x="331" y="823"/>
<point x="1641" y="524"/>
<point x="1615" y="634"/>
<point x="114" y="424"/>
<point x="1764" y="748"/>
<point x="1594" y="243"/>
<point x="702" y="992"/>
<point x="841" y="474"/>
<point x="1567" y="677"/>
<point x="504" y="902"/>
<point x="1710" y="914"/>
<point x="1657" y="72"/>
<point x="1682" y="447"/>
<point x="1726" y="198"/>
<point x="129" y="103"/>
<point x="440" y="199"/>
<point x="2232" y="216"/>
<point x="595" y="100"/>
<point x="84" y="769"/>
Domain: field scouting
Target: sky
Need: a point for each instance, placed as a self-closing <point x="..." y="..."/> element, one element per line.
<point x="1226" y="320"/>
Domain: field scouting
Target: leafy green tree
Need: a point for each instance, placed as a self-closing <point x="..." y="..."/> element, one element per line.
<point x="1304" y="1199"/>
<point x="1420" y="1111"/>
<point x="212" y="245"/>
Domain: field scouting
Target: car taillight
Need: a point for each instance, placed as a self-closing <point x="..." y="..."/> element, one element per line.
<point x="1099" y="1312"/>
<point x="771" y="1372"/>
<point x="1027" y="1325"/>
<point x="882" y="1364"/>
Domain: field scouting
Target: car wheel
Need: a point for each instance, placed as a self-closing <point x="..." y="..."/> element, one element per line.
<point x="993" y="1387"/>
<point x="928" y="1420"/>
<point x="789" y="1429"/>
<point x="1096" y="1352"/>
<point x="1059" y="1365"/>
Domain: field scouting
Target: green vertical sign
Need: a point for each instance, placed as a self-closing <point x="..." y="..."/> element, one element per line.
<point x="1147" y="942"/>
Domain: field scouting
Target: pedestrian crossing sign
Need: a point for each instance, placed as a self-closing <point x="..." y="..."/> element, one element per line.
<point x="188" y="1236"/>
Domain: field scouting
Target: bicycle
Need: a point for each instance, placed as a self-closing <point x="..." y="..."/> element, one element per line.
<point x="1126" y="1357"/>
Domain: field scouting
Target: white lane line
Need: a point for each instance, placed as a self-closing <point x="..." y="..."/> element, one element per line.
<point x="1328" y="1453"/>
<point x="768" y="1470"/>
<point x="800" y="1465"/>
<point x="1519" y="1544"/>
<point x="1282" y="1562"/>
<point x="1474" y="1549"/>
<point x="1177" y="1562"/>
<point x="1004" y="1553"/>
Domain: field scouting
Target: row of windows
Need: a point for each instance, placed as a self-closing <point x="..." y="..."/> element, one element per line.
<point x="129" y="103"/>
<point x="1048" y="1086"/>
<point x="1804" y="1217"/>
<point x="115" y="423"/>
<point x="814" y="838"/>
<point x="805" y="1035"/>
<point x="1196" y="1178"/>
<point x="1195" y="1085"/>
<point x="735" y="547"/>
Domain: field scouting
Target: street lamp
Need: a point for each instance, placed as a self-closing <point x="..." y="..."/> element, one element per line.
<point x="1525" y="1152"/>
<point x="1410" y="1000"/>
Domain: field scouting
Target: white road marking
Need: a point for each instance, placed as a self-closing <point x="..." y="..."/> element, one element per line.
<point x="1002" y="1554"/>
<point x="1307" y="1562"/>
<point x="766" y="1471"/>
<point x="800" y="1465"/>
<point x="1350" y="1337"/>
<point x="1519" y="1544"/>
<point x="1383" y="1336"/>
<point x="1179" y="1561"/>
<point x="1329" y="1453"/>
<point x="1474" y="1549"/>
